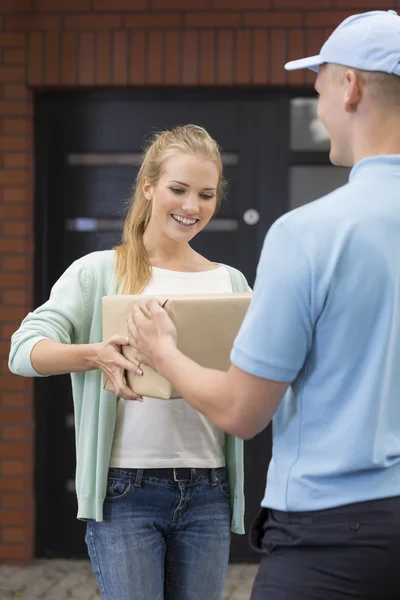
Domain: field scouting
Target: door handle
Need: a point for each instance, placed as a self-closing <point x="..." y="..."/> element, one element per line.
<point x="251" y="216"/>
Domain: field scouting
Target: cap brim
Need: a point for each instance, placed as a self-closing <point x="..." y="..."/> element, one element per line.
<point x="312" y="62"/>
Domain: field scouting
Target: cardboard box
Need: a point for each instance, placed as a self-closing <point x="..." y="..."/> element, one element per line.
<point x="207" y="326"/>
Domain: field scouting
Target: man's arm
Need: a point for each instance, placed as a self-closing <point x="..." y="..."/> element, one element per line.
<point x="237" y="402"/>
<point x="269" y="352"/>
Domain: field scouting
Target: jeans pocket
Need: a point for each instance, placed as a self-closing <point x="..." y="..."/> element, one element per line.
<point x="117" y="487"/>
<point x="223" y="486"/>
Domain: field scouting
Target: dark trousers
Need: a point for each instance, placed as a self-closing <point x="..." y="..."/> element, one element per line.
<point x="351" y="552"/>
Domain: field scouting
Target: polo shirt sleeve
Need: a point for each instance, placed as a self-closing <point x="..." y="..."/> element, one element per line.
<point x="276" y="334"/>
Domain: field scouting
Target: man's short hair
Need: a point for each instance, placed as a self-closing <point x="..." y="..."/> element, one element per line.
<point x="384" y="88"/>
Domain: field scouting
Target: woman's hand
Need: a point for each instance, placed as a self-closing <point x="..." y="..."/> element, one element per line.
<point x="108" y="357"/>
<point x="151" y="336"/>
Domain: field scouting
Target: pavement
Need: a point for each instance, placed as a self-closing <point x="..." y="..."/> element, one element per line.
<point x="74" y="580"/>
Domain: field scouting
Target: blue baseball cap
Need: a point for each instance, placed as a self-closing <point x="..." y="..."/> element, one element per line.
<point x="368" y="41"/>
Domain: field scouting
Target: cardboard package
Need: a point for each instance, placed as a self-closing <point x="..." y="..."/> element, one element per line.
<point x="207" y="325"/>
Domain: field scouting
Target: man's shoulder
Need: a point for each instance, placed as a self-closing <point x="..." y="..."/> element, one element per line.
<point x="322" y="209"/>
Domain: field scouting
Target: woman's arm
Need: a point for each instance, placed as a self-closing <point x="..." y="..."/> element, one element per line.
<point x="51" y="339"/>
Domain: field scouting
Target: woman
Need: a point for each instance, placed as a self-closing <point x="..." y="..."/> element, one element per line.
<point x="152" y="476"/>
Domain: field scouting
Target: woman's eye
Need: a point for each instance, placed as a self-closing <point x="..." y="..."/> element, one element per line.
<point x="207" y="196"/>
<point x="177" y="190"/>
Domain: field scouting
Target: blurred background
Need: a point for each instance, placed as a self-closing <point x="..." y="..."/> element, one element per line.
<point x="82" y="84"/>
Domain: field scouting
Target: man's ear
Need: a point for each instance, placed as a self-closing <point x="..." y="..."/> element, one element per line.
<point x="353" y="90"/>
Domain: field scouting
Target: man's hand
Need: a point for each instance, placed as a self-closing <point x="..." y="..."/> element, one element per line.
<point x="153" y="337"/>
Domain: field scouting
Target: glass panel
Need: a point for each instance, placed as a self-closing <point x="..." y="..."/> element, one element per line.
<point x="85" y="224"/>
<point x="129" y="158"/>
<point x="308" y="183"/>
<point x="306" y="130"/>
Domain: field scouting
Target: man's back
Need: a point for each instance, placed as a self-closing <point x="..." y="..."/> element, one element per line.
<point x="337" y="431"/>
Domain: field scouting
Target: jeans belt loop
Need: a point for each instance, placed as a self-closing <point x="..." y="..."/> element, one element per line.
<point x="138" y="478"/>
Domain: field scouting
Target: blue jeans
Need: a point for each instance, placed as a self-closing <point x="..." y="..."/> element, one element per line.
<point x="161" y="539"/>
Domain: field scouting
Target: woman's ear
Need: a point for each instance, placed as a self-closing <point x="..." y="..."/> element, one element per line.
<point x="148" y="189"/>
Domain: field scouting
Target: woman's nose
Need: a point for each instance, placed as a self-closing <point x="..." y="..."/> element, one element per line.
<point x="191" y="204"/>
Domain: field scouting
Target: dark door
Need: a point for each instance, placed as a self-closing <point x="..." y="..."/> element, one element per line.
<point x="88" y="148"/>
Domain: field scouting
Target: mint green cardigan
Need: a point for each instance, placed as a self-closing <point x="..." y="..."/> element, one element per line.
<point x="73" y="315"/>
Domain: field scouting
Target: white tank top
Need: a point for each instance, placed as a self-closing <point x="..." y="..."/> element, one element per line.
<point x="170" y="433"/>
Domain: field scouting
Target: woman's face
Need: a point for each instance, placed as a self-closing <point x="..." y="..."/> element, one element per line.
<point x="184" y="199"/>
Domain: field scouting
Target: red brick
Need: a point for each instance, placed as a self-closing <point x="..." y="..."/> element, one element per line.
<point x="363" y="4"/>
<point x="16" y="126"/>
<point x="8" y="329"/>
<point x="278" y="54"/>
<point x="320" y="18"/>
<point x="12" y="517"/>
<point x="62" y="5"/>
<point x="15" y="450"/>
<point x="123" y="5"/>
<point x="12" y="177"/>
<point x="260" y="57"/>
<point x="18" y="552"/>
<point x="225" y="58"/>
<point x="207" y="58"/>
<point x="69" y="60"/>
<point x="13" y="263"/>
<point x="86" y="59"/>
<point x="15" y="5"/>
<point x="155" y="55"/>
<point x="12" y="484"/>
<point x="12" y="500"/>
<point x="16" y="466"/>
<point x="137" y="58"/>
<point x="35" y="60"/>
<point x="17" y="160"/>
<point x="296" y="50"/>
<point x="14" y="57"/>
<point x="4" y="348"/>
<point x="8" y="313"/>
<point x="12" y="143"/>
<point x="157" y="5"/>
<point x="13" y="416"/>
<point x="120" y="58"/>
<point x="302" y="4"/>
<point x="212" y="19"/>
<point x="16" y="432"/>
<point x="15" y="92"/>
<point x="12" y="74"/>
<point x="52" y="58"/>
<point x="172" y="53"/>
<point x="92" y="21"/>
<point x="13" y="534"/>
<point x="14" y="400"/>
<point x="103" y="57"/>
<point x="241" y="4"/>
<point x="15" y="195"/>
<point x="153" y="21"/>
<point x="14" y="107"/>
<point x="242" y="57"/>
<point x="32" y="22"/>
<point x="272" y="19"/>
<point x="15" y="228"/>
<point x="15" y="280"/>
<point x="12" y="40"/>
<point x="190" y="51"/>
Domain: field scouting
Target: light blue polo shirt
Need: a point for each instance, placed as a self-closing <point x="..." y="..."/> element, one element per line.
<point x="326" y="316"/>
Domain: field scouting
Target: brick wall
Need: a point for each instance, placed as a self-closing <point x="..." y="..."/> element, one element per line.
<point x="55" y="43"/>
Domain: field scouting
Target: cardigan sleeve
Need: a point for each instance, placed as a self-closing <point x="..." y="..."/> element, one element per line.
<point x="63" y="318"/>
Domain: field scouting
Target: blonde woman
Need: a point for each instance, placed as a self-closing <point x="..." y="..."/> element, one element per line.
<point x="158" y="483"/>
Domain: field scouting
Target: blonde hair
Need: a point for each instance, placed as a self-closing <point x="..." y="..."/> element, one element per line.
<point x="133" y="268"/>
